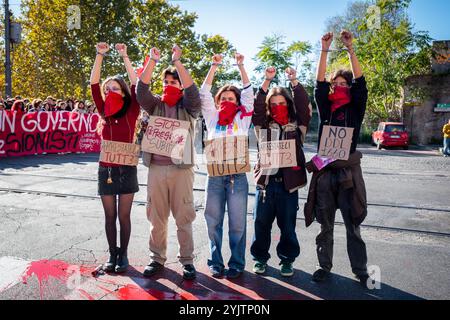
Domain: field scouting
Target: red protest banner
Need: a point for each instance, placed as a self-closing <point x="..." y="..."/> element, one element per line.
<point x="49" y="132"/>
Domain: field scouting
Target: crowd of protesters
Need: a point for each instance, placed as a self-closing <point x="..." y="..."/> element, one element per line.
<point x="26" y="105"/>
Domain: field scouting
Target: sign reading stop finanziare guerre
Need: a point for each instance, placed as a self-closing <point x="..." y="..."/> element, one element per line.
<point x="121" y="153"/>
<point x="336" y="142"/>
<point x="166" y="137"/>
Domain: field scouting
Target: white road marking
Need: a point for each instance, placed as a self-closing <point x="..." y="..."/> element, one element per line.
<point x="11" y="270"/>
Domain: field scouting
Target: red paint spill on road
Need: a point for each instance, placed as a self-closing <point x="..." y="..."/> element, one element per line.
<point x="85" y="294"/>
<point x="130" y="292"/>
<point x="45" y="269"/>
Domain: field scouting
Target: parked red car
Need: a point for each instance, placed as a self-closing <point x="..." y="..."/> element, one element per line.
<point x="390" y="134"/>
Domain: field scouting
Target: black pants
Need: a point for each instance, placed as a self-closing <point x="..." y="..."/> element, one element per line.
<point x="283" y="206"/>
<point x="330" y="197"/>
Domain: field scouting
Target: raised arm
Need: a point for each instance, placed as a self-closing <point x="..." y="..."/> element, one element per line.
<point x="217" y="61"/>
<point x="191" y="95"/>
<point x="145" y="98"/>
<point x="122" y="50"/>
<point x="327" y="39"/>
<point x="270" y="75"/>
<point x="303" y="107"/>
<point x="209" y="110"/>
<point x="240" y="62"/>
<point x="347" y="40"/>
<point x="102" y="49"/>
<point x="146" y="75"/>
<point x="185" y="77"/>
<point x="260" y="113"/>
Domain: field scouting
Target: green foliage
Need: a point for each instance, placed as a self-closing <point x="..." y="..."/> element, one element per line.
<point x="52" y="60"/>
<point x="274" y="53"/>
<point x="388" y="55"/>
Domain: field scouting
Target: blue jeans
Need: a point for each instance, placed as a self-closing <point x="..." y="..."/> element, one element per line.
<point x="446" y="150"/>
<point x="221" y="191"/>
<point x="282" y="205"/>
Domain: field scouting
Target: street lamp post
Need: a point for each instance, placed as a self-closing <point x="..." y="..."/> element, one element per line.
<point x="8" y="89"/>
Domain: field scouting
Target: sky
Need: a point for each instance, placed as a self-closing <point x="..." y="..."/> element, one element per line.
<point x="245" y="23"/>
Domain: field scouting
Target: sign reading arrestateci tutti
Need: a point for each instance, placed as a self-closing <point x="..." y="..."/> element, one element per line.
<point x="121" y="153"/>
<point x="166" y="137"/>
<point x="227" y="155"/>
<point x="336" y="142"/>
<point x="278" y="154"/>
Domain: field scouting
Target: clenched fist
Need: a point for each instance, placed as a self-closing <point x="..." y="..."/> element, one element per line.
<point x="291" y="74"/>
<point x="327" y="39"/>
<point x="102" y="47"/>
<point x="271" y="73"/>
<point x="155" y="54"/>
<point x="217" y="59"/>
<point x="176" y="53"/>
<point x="347" y="38"/>
<point x="121" y="49"/>
<point x="239" y="58"/>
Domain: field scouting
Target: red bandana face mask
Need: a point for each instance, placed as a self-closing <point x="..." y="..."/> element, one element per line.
<point x="340" y="97"/>
<point x="171" y="95"/>
<point x="227" y="112"/>
<point x="113" y="104"/>
<point x="280" y="114"/>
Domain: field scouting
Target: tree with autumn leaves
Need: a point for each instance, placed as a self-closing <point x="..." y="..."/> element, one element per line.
<point x="53" y="60"/>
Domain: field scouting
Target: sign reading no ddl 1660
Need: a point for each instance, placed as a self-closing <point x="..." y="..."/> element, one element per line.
<point x="166" y="137"/>
<point x="335" y="142"/>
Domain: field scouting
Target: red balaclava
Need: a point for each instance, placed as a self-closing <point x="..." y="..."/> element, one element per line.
<point x="171" y="95"/>
<point x="280" y="114"/>
<point x="227" y="112"/>
<point x="113" y="103"/>
<point x="340" y="97"/>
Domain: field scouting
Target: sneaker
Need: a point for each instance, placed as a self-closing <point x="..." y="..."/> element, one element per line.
<point x="286" y="269"/>
<point x="216" y="271"/>
<point x="320" y="275"/>
<point x="122" y="263"/>
<point x="111" y="263"/>
<point x="189" y="272"/>
<point x="259" y="267"/>
<point x="233" y="273"/>
<point x="152" y="268"/>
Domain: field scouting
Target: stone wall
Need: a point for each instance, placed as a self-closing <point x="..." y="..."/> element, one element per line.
<point x="423" y="123"/>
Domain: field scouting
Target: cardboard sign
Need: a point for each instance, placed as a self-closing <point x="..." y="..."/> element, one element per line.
<point x="336" y="142"/>
<point x="166" y="137"/>
<point x="278" y="154"/>
<point x="227" y="155"/>
<point x="122" y="153"/>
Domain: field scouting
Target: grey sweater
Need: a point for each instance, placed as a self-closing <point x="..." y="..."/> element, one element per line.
<point x="188" y="109"/>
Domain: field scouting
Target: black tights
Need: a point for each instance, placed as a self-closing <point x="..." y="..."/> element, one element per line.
<point x="123" y="209"/>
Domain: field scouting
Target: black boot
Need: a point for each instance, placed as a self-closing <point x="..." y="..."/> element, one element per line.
<point x="111" y="264"/>
<point x="122" y="262"/>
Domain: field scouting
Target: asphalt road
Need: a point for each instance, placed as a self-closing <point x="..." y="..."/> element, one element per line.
<point x="51" y="236"/>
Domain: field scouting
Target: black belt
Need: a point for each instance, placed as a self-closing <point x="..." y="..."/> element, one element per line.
<point x="277" y="179"/>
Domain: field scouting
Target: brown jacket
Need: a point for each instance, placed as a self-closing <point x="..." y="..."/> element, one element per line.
<point x="294" y="178"/>
<point x="350" y="177"/>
